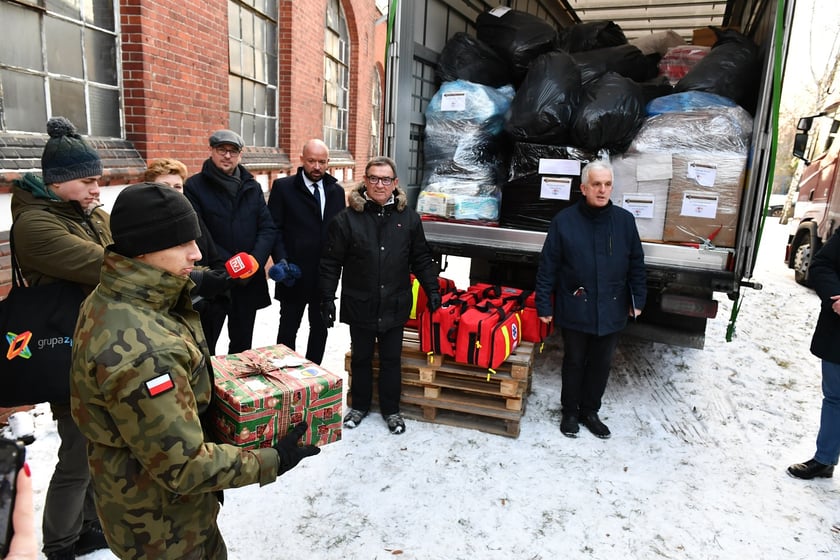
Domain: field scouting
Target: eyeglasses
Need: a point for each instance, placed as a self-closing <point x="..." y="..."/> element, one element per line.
<point x="227" y="151"/>
<point x="386" y="181"/>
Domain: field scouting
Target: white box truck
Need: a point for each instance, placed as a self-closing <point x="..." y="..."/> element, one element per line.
<point x="683" y="279"/>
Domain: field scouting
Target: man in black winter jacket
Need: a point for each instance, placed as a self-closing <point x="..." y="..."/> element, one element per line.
<point x="232" y="205"/>
<point x="378" y="241"/>
<point x="302" y="206"/>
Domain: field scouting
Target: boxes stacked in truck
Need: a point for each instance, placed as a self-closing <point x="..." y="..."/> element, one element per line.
<point x="582" y="93"/>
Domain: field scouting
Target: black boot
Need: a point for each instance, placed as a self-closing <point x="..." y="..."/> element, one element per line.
<point x="92" y="538"/>
<point x="811" y="469"/>
<point x="63" y="554"/>
<point x="569" y="425"/>
<point x="594" y="424"/>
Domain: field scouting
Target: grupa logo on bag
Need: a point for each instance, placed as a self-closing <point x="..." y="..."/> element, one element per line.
<point x="19" y="344"/>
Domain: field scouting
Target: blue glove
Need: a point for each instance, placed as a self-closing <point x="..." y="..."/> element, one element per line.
<point x="292" y="274"/>
<point x="285" y="273"/>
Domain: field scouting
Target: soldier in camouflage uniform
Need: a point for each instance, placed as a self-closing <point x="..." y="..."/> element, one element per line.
<point x="140" y="383"/>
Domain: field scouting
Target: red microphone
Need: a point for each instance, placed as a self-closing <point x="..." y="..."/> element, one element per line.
<point x="242" y="265"/>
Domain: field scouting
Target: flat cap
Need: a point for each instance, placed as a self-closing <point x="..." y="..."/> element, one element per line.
<point x="226" y="136"/>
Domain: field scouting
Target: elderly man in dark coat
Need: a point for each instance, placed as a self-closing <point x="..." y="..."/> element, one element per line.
<point x="592" y="265"/>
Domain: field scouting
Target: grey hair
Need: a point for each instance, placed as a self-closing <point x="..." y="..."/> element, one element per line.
<point x="595" y="164"/>
<point x="382" y="160"/>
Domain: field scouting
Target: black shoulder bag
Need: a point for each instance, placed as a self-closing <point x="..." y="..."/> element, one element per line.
<point x="36" y="339"/>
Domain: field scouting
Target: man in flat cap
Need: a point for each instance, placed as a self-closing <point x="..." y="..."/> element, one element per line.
<point x="232" y="205"/>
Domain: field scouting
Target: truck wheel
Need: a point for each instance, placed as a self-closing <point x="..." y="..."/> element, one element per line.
<point x="802" y="262"/>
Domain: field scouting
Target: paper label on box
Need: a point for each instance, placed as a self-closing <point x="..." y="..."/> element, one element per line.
<point x="639" y="204"/>
<point x="550" y="166"/>
<point x="256" y="385"/>
<point x="699" y="205"/>
<point x="500" y="11"/>
<point x="288" y="361"/>
<point x="556" y="188"/>
<point x="655" y="167"/>
<point x="453" y="101"/>
<point x="703" y="173"/>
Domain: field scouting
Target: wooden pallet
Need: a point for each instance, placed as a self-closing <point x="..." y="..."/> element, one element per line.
<point x="437" y="389"/>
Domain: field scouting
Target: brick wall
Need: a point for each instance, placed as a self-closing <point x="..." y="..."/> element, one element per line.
<point x="175" y="86"/>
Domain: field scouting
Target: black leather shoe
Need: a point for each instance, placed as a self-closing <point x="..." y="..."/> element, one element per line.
<point x="811" y="469"/>
<point x="569" y="425"/>
<point x="594" y="425"/>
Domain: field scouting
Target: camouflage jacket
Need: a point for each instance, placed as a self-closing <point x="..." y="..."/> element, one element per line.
<point x="139" y="382"/>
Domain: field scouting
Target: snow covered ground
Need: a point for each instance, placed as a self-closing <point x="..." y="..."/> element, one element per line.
<point x="695" y="468"/>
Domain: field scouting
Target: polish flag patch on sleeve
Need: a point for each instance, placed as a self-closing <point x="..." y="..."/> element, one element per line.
<point x="160" y="384"/>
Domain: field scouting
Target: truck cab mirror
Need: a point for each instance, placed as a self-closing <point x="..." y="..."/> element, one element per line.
<point x="804" y="124"/>
<point x="800" y="143"/>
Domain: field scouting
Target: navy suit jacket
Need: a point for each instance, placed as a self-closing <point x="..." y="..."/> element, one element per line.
<point x="301" y="232"/>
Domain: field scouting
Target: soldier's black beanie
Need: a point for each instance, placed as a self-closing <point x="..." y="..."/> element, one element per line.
<point x="67" y="156"/>
<point x="149" y="217"/>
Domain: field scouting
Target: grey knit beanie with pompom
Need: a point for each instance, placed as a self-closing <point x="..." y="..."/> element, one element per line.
<point x="67" y="156"/>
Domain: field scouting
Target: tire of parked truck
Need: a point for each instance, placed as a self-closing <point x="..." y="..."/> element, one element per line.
<point x="803" y="251"/>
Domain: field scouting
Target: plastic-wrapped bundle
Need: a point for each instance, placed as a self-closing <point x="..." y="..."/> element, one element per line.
<point x="687" y="101"/>
<point x="518" y="37"/>
<point x="680" y="59"/>
<point x="715" y="129"/>
<point x="526" y="157"/>
<point x="626" y="60"/>
<point x="466" y="58"/>
<point x="730" y="69"/>
<point x="658" y="43"/>
<point x="543" y="181"/>
<point x="544" y="104"/>
<point x="610" y="113"/>
<point x="463" y="147"/>
<point x="591" y="35"/>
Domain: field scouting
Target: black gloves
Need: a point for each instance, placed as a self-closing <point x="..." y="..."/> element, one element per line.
<point x="433" y="301"/>
<point x="290" y="452"/>
<point x="209" y="283"/>
<point x="328" y="312"/>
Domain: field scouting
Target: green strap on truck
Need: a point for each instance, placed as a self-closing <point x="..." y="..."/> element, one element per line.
<point x="778" y="55"/>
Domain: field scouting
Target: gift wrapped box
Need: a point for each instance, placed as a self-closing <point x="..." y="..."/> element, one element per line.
<point x="262" y="393"/>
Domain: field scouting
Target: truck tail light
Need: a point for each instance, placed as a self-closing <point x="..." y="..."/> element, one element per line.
<point x="689" y="306"/>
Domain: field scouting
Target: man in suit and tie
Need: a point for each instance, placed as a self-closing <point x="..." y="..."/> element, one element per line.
<point x="302" y="206"/>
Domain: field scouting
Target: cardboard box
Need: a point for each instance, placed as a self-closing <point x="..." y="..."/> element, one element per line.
<point x="705" y="198"/>
<point x="706" y="36"/>
<point x="262" y="393"/>
<point x="640" y="186"/>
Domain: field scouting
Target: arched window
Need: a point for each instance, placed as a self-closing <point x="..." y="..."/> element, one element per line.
<point x="336" y="78"/>
<point x="60" y="60"/>
<point x="252" y="47"/>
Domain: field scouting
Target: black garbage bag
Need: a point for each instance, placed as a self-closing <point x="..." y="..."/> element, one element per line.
<point x="611" y="111"/>
<point x="466" y="58"/>
<point x="517" y="37"/>
<point x="626" y="60"/>
<point x="544" y="104"/>
<point x="590" y="35"/>
<point x="731" y="69"/>
<point x="525" y="158"/>
<point x="655" y="88"/>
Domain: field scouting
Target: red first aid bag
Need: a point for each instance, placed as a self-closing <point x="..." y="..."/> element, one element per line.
<point x="487" y="335"/>
<point x="439" y="330"/>
<point x="534" y="330"/>
<point x="419" y="301"/>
